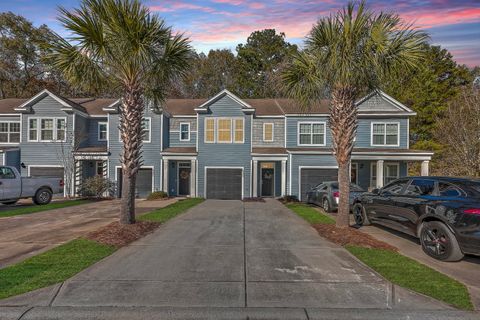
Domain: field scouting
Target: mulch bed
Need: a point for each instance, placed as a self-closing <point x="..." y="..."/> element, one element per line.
<point x="351" y="236"/>
<point x="119" y="235"/>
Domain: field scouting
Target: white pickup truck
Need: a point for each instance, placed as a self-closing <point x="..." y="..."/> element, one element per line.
<point x="14" y="187"/>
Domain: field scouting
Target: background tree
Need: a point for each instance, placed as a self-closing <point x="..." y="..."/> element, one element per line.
<point x="121" y="44"/>
<point x="260" y="62"/>
<point x="459" y="131"/>
<point x="346" y="54"/>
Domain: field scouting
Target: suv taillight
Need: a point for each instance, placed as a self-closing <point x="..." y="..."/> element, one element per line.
<point x="472" y="211"/>
<point x="336" y="194"/>
<point x="62" y="183"/>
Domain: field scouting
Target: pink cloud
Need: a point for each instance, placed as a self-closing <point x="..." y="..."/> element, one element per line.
<point x="433" y="18"/>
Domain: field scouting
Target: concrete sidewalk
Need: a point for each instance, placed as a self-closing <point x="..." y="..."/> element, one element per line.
<point x="228" y="260"/>
<point x="27" y="235"/>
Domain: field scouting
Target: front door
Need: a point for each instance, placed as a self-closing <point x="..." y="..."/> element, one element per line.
<point x="184" y="170"/>
<point x="268" y="179"/>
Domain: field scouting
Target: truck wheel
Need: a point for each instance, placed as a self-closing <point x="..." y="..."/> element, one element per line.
<point x="439" y="242"/>
<point x="43" y="196"/>
<point x="8" y="203"/>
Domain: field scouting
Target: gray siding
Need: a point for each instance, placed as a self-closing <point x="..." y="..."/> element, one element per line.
<point x="377" y="103"/>
<point x="174" y="132"/>
<point x="298" y="161"/>
<point x="44" y="153"/>
<point x="224" y="154"/>
<point x="278" y="132"/>
<point x="92" y="133"/>
<point x="81" y="131"/>
<point x="150" y="151"/>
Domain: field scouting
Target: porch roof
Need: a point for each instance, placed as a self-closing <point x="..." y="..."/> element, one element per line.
<point x="372" y="153"/>
<point x="269" y="151"/>
<point x="93" y="149"/>
<point x="180" y="150"/>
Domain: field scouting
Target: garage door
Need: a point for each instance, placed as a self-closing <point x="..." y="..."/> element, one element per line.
<point x="46" y="172"/>
<point x="312" y="177"/>
<point x="143" y="185"/>
<point x="224" y="184"/>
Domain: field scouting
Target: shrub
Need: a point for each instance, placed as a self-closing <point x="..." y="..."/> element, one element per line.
<point x="157" y="195"/>
<point x="289" y="198"/>
<point x="96" y="187"/>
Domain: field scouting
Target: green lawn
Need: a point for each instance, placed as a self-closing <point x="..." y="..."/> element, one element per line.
<point x="164" y="214"/>
<point x="415" y="276"/>
<point x="397" y="268"/>
<point x="37" y="208"/>
<point x="309" y="213"/>
<point x="53" y="266"/>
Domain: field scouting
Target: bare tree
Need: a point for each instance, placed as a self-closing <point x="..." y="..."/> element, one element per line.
<point x="459" y="131"/>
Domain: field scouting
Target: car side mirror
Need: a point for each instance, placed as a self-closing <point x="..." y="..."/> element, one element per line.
<point x="376" y="191"/>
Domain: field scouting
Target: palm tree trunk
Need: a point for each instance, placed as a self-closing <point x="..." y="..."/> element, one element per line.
<point x="343" y="124"/>
<point x="131" y="115"/>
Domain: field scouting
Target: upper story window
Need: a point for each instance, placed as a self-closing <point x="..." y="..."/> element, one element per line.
<point x="311" y="133"/>
<point x="224" y="130"/>
<point x="47" y="129"/>
<point x="146" y="131"/>
<point x="10" y="132"/>
<point x="385" y="134"/>
<point x="102" y="131"/>
<point x="268" y="132"/>
<point x="184" y="131"/>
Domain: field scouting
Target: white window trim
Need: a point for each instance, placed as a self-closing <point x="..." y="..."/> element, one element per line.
<point x="205" y="130"/>
<point x="55" y="129"/>
<point x="149" y="131"/>
<point x="9" y="132"/>
<point x="385" y="134"/>
<point x="385" y="164"/>
<point x="98" y="130"/>
<point x="234" y="129"/>
<point x="217" y="131"/>
<point x="312" y="123"/>
<point x="180" y="131"/>
<point x="273" y="131"/>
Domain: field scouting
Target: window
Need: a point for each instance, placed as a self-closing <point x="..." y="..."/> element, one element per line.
<point x="184" y="131"/>
<point x="448" y="190"/>
<point x="210" y="130"/>
<point x="238" y="138"/>
<point x="420" y="187"/>
<point x="146" y="129"/>
<point x="391" y="172"/>
<point x="9" y="132"/>
<point x="6" y="173"/>
<point x="268" y="132"/>
<point x="385" y="134"/>
<point x="395" y="188"/>
<point x="224" y="133"/>
<point x="99" y="168"/>
<point x="102" y="131"/>
<point x="47" y="129"/>
<point x="311" y="133"/>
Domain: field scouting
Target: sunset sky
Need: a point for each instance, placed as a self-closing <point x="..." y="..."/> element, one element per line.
<point x="212" y="24"/>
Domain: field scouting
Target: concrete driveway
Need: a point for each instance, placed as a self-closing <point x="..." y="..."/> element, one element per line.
<point x="228" y="260"/>
<point x="30" y="234"/>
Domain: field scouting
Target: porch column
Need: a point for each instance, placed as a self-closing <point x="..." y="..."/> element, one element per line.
<point x="193" y="174"/>
<point x="165" y="175"/>
<point x="284" y="177"/>
<point x="379" y="173"/>
<point x="254" y="178"/>
<point x="424" y="169"/>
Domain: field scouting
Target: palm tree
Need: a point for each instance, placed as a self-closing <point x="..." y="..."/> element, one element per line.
<point x="121" y="44"/>
<point x="347" y="54"/>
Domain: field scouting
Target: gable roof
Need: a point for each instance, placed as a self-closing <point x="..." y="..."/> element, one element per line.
<point x="245" y="106"/>
<point x="379" y="101"/>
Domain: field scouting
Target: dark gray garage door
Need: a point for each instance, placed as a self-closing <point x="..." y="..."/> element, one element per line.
<point x="224" y="184"/>
<point x="46" y="172"/>
<point x="312" y="177"/>
<point x="144" y="182"/>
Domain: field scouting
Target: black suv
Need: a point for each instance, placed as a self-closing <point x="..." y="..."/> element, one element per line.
<point x="443" y="212"/>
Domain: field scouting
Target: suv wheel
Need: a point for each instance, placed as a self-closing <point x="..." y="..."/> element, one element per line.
<point x="326" y="205"/>
<point x="360" y="215"/>
<point x="439" y="242"/>
<point x="43" y="196"/>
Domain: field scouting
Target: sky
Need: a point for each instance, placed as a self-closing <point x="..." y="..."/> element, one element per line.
<point x="219" y="24"/>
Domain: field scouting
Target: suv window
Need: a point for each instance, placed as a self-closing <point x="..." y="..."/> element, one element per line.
<point x="449" y="190"/>
<point x="6" y="173"/>
<point x="395" y="187"/>
<point x="420" y="187"/>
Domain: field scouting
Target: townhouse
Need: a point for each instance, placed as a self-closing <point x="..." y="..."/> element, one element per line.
<point x="223" y="147"/>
